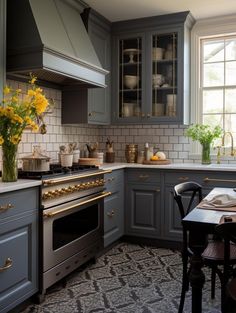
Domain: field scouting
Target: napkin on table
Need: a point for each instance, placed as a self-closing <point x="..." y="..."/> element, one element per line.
<point x="219" y="201"/>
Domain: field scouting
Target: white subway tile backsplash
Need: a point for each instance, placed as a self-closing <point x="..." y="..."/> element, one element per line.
<point x="169" y="138"/>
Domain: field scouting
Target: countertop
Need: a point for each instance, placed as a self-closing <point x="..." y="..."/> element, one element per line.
<point x="19" y="184"/>
<point x="173" y="166"/>
<point x="27" y="183"/>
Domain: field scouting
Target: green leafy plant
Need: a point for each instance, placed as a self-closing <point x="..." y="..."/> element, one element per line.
<point x="205" y="134"/>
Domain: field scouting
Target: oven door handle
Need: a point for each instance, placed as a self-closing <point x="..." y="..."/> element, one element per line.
<point x="51" y="214"/>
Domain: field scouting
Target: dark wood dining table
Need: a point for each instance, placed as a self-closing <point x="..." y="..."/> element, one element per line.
<point x="199" y="223"/>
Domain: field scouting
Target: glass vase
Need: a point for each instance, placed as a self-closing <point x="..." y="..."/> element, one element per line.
<point x="9" y="162"/>
<point x="206" y="158"/>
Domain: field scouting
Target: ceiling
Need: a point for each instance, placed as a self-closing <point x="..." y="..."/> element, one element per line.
<point x="116" y="10"/>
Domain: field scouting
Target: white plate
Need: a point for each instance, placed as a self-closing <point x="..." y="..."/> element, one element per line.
<point x="132" y="51"/>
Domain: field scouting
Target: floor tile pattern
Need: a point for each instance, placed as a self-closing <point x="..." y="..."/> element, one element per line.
<point x="129" y="278"/>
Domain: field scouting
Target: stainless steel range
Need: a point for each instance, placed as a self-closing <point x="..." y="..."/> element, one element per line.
<point x="72" y="222"/>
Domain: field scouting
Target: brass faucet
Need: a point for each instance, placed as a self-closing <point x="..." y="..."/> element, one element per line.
<point x="232" y="142"/>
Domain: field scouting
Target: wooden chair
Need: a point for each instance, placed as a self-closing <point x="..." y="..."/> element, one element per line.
<point x="213" y="254"/>
<point x="227" y="231"/>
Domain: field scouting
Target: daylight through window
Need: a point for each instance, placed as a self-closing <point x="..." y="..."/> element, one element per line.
<point x="218" y="82"/>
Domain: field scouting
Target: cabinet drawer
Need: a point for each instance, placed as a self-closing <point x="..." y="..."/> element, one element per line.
<point x="144" y="176"/>
<point x="206" y="179"/>
<point x="16" y="202"/>
<point x="114" y="179"/>
<point x="175" y="178"/>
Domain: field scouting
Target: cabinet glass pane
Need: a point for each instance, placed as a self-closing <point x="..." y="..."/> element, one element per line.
<point x="130" y="73"/>
<point x="164" y="75"/>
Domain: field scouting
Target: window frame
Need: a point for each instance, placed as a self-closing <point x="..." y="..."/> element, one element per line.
<point x="214" y="27"/>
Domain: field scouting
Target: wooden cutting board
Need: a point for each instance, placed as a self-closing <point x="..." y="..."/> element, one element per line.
<point x="158" y="162"/>
<point x="89" y="161"/>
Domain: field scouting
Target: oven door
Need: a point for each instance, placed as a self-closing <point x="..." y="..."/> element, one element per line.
<point x="71" y="227"/>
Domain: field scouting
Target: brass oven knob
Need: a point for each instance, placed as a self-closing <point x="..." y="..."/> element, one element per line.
<point x="77" y="187"/>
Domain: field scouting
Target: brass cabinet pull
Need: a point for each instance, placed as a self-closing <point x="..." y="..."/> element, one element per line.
<point x="142" y="114"/>
<point x="148" y="115"/>
<point x="7" y="265"/>
<point x="158" y="190"/>
<point x="206" y="180"/>
<point x="51" y="214"/>
<point x="6" y="207"/>
<point x="111" y="214"/>
<point x="183" y="178"/>
<point x="143" y="176"/>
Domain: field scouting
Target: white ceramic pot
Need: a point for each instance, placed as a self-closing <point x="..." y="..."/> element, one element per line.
<point x="76" y="156"/>
<point x="66" y="159"/>
<point x="157" y="53"/>
<point x="158" y="109"/>
<point x="157" y="80"/>
<point x="128" y="109"/>
<point x="131" y="81"/>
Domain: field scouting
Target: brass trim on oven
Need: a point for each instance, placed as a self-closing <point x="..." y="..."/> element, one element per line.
<point x="206" y="180"/>
<point x="51" y="214"/>
<point x="72" y="177"/>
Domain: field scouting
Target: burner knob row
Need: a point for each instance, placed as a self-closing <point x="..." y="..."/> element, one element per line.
<point x="63" y="191"/>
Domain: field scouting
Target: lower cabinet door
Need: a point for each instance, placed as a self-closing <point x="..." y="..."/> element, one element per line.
<point x="143" y="211"/>
<point x="113" y="218"/>
<point x="18" y="261"/>
<point x="172" y="225"/>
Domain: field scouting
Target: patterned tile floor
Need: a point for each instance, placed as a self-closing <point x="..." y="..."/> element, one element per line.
<point x="129" y="278"/>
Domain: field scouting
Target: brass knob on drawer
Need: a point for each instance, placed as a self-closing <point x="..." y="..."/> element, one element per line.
<point x="183" y="178"/>
<point x="148" y="115"/>
<point x="7" y="265"/>
<point x="143" y="176"/>
<point x="111" y="214"/>
<point x="6" y="207"/>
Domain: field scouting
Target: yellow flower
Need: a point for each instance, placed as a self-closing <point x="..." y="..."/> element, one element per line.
<point x="38" y="90"/>
<point x="17" y="119"/>
<point x="6" y="90"/>
<point x="40" y="103"/>
<point x="1" y="140"/>
<point x="18" y="91"/>
<point x="31" y="93"/>
<point x="35" y="127"/>
<point x="15" y="139"/>
<point x="14" y="99"/>
<point x="33" y="80"/>
<point x="28" y="120"/>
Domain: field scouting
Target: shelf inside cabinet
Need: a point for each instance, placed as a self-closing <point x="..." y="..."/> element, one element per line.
<point x="164" y="61"/>
<point x="130" y="64"/>
<point x="165" y="88"/>
<point x="130" y="90"/>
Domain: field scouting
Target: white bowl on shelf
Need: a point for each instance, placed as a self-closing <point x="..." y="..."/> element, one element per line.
<point x="131" y="81"/>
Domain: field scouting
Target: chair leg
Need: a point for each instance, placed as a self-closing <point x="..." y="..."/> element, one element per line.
<point x="213" y="282"/>
<point x="184" y="283"/>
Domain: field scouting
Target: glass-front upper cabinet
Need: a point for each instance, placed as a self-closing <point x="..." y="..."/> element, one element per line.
<point x="151" y="69"/>
<point x="130" y="77"/>
<point x="164" y="75"/>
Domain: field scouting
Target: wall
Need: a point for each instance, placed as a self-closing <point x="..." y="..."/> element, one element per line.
<point x="168" y="138"/>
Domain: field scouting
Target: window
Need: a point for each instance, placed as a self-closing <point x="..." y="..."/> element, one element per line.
<point x="218" y="82"/>
<point x="213" y="74"/>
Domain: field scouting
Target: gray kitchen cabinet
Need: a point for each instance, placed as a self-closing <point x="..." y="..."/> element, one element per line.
<point x="172" y="229"/>
<point x="114" y="207"/>
<point x="151" y="69"/>
<point x="2" y="44"/>
<point x="91" y="105"/>
<point x="143" y="204"/>
<point x="18" y="246"/>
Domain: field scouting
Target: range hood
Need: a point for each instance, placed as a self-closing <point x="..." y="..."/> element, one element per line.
<point x="48" y="39"/>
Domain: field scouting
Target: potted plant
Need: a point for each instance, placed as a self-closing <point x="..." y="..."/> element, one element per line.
<point x="205" y="134"/>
